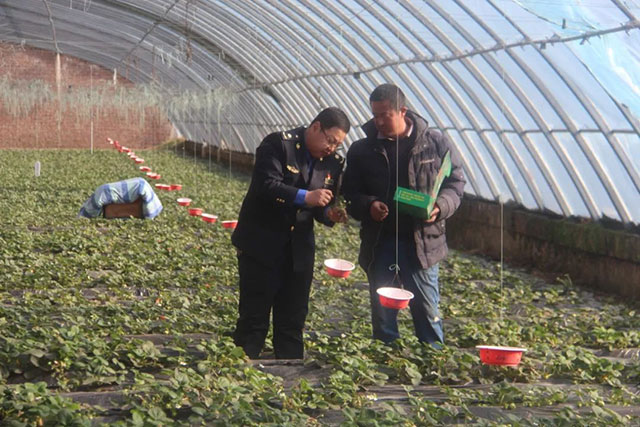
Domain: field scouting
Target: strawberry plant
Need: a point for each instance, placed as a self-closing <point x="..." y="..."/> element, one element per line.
<point x="109" y="305"/>
<point x="33" y="404"/>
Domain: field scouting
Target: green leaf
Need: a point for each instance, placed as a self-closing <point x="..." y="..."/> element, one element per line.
<point x="36" y="352"/>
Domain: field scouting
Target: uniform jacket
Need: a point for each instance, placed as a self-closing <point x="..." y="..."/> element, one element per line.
<point x="268" y="219"/>
<point x="367" y="179"/>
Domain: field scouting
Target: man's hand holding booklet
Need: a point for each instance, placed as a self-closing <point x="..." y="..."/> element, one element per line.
<point x="419" y="204"/>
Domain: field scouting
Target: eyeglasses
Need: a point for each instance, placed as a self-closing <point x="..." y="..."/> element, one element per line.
<point x="331" y="141"/>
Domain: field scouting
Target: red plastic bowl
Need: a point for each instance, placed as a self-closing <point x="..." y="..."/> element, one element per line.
<point x="209" y="218"/>
<point x="195" y="211"/>
<point x="230" y="223"/>
<point x="145" y="169"/>
<point x="163" y="186"/>
<point x="175" y="187"/>
<point x="138" y="160"/>
<point x="496" y="355"/>
<point x="126" y="150"/>
<point x="395" y="298"/>
<point x="184" y="201"/>
<point x="153" y="175"/>
<point x="338" y="267"/>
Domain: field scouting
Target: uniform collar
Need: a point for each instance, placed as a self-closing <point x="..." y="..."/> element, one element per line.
<point x="305" y="150"/>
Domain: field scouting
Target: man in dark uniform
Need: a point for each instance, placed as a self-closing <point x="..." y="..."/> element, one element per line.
<point x="294" y="179"/>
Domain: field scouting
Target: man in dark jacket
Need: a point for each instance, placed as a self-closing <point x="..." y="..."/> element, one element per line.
<point x="400" y="150"/>
<point x="294" y="179"/>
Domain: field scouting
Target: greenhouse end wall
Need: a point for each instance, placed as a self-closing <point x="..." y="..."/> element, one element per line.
<point x="31" y="118"/>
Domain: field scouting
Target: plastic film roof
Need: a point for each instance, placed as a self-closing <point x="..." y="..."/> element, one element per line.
<point x="540" y="98"/>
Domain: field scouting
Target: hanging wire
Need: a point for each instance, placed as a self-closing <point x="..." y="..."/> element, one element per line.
<point x="501" y="225"/>
<point x="396" y="266"/>
<point x="230" y="174"/>
<point x="501" y="254"/>
<point x="195" y="168"/>
<point x="91" y="105"/>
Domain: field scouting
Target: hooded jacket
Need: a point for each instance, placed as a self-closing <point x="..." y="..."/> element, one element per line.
<point x="367" y="179"/>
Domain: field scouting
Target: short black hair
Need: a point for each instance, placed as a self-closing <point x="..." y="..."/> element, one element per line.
<point x="333" y="117"/>
<point x="391" y="93"/>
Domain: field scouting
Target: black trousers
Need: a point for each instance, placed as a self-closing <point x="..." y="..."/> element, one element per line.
<point x="263" y="287"/>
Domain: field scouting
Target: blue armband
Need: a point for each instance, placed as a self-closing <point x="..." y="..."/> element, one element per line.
<point x="299" y="200"/>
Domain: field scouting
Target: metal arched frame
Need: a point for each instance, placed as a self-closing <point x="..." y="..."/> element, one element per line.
<point x="285" y="59"/>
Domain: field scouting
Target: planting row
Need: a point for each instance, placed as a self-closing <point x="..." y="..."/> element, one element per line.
<point x="140" y="312"/>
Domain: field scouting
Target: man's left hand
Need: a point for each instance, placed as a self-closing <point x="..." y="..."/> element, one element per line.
<point x="337" y="214"/>
<point x="434" y="214"/>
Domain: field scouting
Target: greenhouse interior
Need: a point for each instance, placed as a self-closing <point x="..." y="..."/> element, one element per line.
<point x="164" y="163"/>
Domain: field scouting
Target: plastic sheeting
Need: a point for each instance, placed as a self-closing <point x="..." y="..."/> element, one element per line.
<point x="540" y="98"/>
<point x="614" y="59"/>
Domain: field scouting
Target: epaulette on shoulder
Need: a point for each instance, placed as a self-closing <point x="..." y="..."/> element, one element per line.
<point x="290" y="135"/>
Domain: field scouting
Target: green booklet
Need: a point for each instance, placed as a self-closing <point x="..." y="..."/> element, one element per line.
<point x="419" y="204"/>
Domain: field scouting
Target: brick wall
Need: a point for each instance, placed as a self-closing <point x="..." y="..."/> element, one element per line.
<point x="591" y="254"/>
<point x="45" y="127"/>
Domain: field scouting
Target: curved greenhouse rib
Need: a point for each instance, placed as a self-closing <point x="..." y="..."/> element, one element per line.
<point x="171" y="19"/>
<point x="128" y="15"/>
<point x="75" y="28"/>
<point x="238" y="45"/>
<point x="245" y="113"/>
<point x="624" y="10"/>
<point x="426" y="104"/>
<point x="511" y="117"/>
<point x="635" y="124"/>
<point x="487" y="114"/>
<point x="551" y="180"/>
<point x="285" y="38"/>
<point x="370" y="59"/>
<point x="621" y="206"/>
<point x="454" y="57"/>
<point x="82" y="28"/>
<point x="312" y="26"/>
<point x="506" y="111"/>
<point x="53" y="27"/>
<point x="570" y="167"/>
<point x="284" y="59"/>
<point x="476" y="127"/>
<point x="149" y="30"/>
<point x="416" y="92"/>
